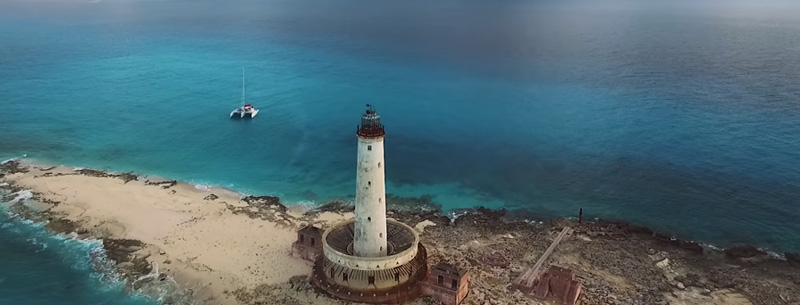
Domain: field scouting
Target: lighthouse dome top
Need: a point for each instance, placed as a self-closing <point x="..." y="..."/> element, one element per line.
<point x="371" y="126"/>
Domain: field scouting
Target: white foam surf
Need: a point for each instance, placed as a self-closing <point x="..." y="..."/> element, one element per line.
<point x="20" y="196"/>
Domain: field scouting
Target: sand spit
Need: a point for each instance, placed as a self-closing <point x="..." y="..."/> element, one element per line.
<point x="222" y="248"/>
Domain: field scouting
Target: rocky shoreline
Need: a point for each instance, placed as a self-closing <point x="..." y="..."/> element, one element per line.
<point x="618" y="263"/>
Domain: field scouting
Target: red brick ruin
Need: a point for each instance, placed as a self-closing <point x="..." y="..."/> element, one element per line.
<point x="556" y="282"/>
<point x="308" y="244"/>
<point x="560" y="283"/>
<point x="447" y="284"/>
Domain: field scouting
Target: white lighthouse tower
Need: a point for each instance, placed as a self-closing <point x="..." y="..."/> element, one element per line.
<point x="371" y="259"/>
<point x="370" y="212"/>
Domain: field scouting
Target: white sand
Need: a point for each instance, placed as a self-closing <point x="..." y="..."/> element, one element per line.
<point x="209" y="248"/>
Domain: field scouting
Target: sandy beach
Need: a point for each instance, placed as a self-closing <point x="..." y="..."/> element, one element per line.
<point x="201" y="243"/>
<point x="221" y="247"/>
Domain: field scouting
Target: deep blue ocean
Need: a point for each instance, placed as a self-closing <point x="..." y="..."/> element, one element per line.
<point x="682" y="115"/>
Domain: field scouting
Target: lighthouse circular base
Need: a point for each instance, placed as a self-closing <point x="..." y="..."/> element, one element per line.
<point x="381" y="286"/>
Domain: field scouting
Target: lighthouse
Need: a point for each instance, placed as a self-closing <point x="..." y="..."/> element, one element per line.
<point x="370" y="206"/>
<point x="370" y="259"/>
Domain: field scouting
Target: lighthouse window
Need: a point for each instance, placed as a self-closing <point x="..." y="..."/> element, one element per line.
<point x="397" y="276"/>
<point x="379" y="165"/>
<point x="380" y="200"/>
<point x="380" y="235"/>
<point x="371" y="280"/>
<point x="312" y="241"/>
<point x="369" y="147"/>
<point x="369" y="219"/>
<point x="369" y="182"/>
<point x="441" y="280"/>
<point x="344" y="276"/>
<point x="455" y="283"/>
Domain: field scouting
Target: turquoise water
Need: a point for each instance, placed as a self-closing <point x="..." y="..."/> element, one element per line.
<point x="678" y="115"/>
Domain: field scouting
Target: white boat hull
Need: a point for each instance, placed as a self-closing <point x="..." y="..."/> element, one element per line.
<point x="238" y="114"/>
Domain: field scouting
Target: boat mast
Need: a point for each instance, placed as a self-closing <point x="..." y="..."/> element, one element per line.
<point x="243" y="87"/>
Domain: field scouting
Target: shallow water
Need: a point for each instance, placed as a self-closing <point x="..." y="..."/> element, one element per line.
<point x="679" y="115"/>
<point x="42" y="268"/>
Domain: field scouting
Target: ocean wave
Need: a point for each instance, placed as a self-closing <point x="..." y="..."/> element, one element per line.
<point x="38" y="243"/>
<point x="455" y="214"/>
<point x="14" y="159"/>
<point x="307" y="204"/>
<point x="20" y="196"/>
<point x="162" y="287"/>
<point x="87" y="255"/>
<point x="202" y="186"/>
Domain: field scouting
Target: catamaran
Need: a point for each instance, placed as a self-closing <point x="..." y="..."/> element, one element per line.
<point x="247" y="110"/>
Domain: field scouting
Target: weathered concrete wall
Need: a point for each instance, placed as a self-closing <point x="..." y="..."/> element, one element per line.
<point x="370" y="212"/>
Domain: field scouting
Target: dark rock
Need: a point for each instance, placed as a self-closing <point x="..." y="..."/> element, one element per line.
<point x="60" y="225"/>
<point x="482" y="216"/>
<point x="92" y="172"/>
<point x="743" y="251"/>
<point x="612" y="223"/>
<point x="640" y="230"/>
<point x="336" y="206"/>
<point x="793" y="257"/>
<point x="211" y="197"/>
<point x="418" y="216"/>
<point x="265" y="201"/>
<point x="126" y="177"/>
<point x="422" y="203"/>
<point x="12" y="167"/>
<point x="164" y="184"/>
<point x="691" y="246"/>
<point x="662" y="236"/>
<point x="693" y="279"/>
<point x="120" y="249"/>
<point x="298" y="281"/>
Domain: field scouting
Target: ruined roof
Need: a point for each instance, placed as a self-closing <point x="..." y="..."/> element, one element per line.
<point x="311" y="230"/>
<point x="449" y="269"/>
